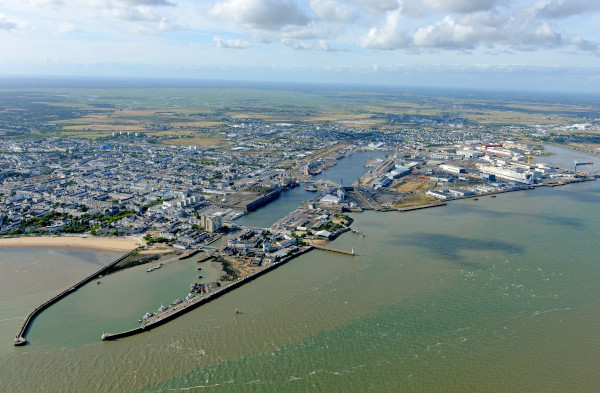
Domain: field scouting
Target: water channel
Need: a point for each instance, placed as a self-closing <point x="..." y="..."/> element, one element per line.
<point x="345" y="172"/>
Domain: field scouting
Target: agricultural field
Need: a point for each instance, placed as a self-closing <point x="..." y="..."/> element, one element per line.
<point x="203" y="115"/>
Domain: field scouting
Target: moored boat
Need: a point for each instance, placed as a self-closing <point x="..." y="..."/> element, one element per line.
<point x="146" y="316"/>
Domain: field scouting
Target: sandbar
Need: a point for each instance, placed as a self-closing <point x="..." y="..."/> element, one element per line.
<point x="97" y="242"/>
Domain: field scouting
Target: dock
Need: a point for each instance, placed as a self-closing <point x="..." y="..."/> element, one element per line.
<point x="324" y="248"/>
<point x="20" y="338"/>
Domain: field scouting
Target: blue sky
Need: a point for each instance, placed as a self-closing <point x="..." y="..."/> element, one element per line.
<point x="537" y="44"/>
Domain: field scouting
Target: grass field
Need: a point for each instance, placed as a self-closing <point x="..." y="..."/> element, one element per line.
<point x="94" y="113"/>
<point x="415" y="200"/>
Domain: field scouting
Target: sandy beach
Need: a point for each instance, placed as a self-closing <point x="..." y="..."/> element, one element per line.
<point x="103" y="243"/>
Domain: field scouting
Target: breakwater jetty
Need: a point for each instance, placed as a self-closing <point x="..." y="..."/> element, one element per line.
<point x="323" y="248"/>
<point x="190" y="304"/>
<point x="20" y="337"/>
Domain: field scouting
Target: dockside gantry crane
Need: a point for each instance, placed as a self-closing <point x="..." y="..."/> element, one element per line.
<point x="581" y="164"/>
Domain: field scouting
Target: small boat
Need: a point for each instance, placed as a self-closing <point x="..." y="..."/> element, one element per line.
<point x="158" y="266"/>
<point x="189" y="296"/>
<point x="150" y="270"/>
<point x="311" y="189"/>
<point x="176" y="302"/>
<point x="146" y="316"/>
<point x="161" y="309"/>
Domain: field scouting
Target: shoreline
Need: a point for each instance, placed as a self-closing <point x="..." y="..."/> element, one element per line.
<point x="95" y="242"/>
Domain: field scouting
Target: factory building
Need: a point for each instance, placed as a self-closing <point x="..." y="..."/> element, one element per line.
<point x="452" y="169"/>
<point x="513" y="174"/>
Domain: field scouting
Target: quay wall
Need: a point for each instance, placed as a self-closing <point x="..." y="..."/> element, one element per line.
<point x="45" y="305"/>
<point x="263" y="200"/>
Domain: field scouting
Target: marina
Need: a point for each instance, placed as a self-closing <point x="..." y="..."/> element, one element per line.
<point x="166" y="314"/>
<point x="20" y="337"/>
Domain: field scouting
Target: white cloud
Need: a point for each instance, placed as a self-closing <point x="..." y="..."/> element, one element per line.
<point x="134" y="14"/>
<point x="320" y="45"/>
<point x="168" y="25"/>
<point x="545" y="34"/>
<point x="446" y="33"/>
<point x="231" y="44"/>
<point x="334" y="10"/>
<point x="461" y="6"/>
<point x="494" y="28"/>
<point x="7" y="24"/>
<point x="390" y="35"/>
<point x="145" y="2"/>
<point x="558" y="9"/>
<point x="261" y="14"/>
<point x="67" y="28"/>
<point x="584" y="45"/>
<point x="378" y="6"/>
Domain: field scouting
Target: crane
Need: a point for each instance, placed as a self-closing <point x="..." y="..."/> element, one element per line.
<point x="581" y="164"/>
<point x="529" y="158"/>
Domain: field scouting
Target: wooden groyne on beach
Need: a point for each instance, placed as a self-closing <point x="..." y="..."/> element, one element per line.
<point x="20" y="338"/>
<point x="188" y="305"/>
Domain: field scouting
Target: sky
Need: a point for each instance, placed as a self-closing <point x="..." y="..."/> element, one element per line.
<point x="499" y="44"/>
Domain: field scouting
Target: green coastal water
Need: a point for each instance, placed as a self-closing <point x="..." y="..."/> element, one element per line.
<point x="495" y="295"/>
